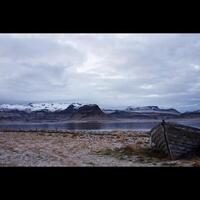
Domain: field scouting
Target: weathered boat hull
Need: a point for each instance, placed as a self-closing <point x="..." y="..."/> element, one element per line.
<point x="175" y="140"/>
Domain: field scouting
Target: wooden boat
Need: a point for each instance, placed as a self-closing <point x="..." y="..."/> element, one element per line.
<point x="175" y="140"/>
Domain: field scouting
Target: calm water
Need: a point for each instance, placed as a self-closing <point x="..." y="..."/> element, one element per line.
<point x="147" y="125"/>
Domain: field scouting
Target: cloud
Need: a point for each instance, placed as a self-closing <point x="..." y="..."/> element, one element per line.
<point x="109" y="69"/>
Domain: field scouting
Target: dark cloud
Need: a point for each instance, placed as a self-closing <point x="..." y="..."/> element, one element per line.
<point x="109" y="69"/>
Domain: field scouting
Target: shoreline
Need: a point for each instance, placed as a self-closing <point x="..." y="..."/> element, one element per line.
<point x="95" y="126"/>
<point x="101" y="121"/>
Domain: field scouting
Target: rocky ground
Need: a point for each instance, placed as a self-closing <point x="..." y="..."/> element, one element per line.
<point x="115" y="148"/>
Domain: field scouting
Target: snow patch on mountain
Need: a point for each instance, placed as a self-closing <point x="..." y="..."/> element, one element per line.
<point x="76" y="105"/>
<point x="35" y="107"/>
<point x="150" y="109"/>
<point x="108" y="111"/>
<point x="13" y="107"/>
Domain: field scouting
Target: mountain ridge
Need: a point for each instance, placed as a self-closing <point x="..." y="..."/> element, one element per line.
<point x="52" y="107"/>
<point x="77" y="111"/>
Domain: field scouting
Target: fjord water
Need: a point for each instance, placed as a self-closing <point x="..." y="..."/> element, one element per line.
<point x="98" y="126"/>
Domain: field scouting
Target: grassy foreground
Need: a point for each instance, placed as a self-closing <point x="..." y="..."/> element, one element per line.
<point x="82" y="148"/>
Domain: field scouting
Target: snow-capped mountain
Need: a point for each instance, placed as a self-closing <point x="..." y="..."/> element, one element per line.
<point x="51" y="107"/>
<point x="4" y="107"/>
<point x="76" y="105"/>
<point x="53" y="112"/>
<point x="144" y="109"/>
<point x="151" y="109"/>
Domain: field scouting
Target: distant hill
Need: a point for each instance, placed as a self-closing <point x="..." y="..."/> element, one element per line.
<point x="146" y="112"/>
<point x="193" y="114"/>
<point x="151" y="109"/>
<point x="141" y="115"/>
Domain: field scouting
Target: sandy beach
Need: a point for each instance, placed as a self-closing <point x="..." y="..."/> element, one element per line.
<point x="83" y="148"/>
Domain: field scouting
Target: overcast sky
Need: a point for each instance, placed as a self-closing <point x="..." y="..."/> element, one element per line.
<point x="107" y="69"/>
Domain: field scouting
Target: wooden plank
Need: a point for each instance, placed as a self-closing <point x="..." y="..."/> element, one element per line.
<point x="183" y="142"/>
<point x="184" y="146"/>
<point x="160" y="142"/>
<point x="176" y="148"/>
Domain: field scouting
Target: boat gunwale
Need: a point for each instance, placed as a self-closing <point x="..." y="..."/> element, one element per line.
<point x="181" y="126"/>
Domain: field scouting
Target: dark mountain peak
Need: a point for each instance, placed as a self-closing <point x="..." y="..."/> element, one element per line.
<point x="89" y="111"/>
<point x="90" y="108"/>
<point x="70" y="108"/>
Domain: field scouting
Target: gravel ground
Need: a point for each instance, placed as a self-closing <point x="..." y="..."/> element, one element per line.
<point x="116" y="148"/>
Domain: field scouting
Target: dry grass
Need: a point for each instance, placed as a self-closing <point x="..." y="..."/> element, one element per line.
<point x="143" y="153"/>
<point x="82" y="148"/>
